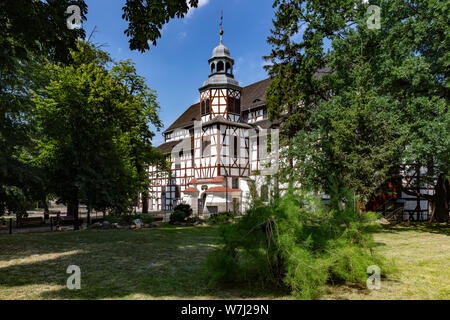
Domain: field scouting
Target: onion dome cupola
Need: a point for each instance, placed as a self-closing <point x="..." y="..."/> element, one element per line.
<point x="221" y="66"/>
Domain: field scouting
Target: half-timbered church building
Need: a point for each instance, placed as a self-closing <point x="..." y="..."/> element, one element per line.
<point x="215" y="146"/>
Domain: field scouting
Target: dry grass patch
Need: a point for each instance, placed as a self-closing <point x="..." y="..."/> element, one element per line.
<point x="169" y="263"/>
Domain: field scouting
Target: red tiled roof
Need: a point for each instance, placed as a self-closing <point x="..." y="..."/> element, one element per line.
<point x="222" y="189"/>
<point x="190" y="190"/>
<point x="214" y="180"/>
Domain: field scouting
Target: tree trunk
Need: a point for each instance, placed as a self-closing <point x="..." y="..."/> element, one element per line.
<point x="70" y="208"/>
<point x="144" y="194"/>
<point x="88" y="222"/>
<point x="46" y="210"/>
<point x="145" y="202"/>
<point x="75" y="215"/>
<point x="441" y="199"/>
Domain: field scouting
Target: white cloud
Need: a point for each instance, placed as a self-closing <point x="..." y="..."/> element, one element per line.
<point x="201" y="3"/>
<point x="238" y="65"/>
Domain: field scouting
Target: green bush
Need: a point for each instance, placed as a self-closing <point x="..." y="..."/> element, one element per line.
<point x="147" y="219"/>
<point x="193" y="219"/>
<point x="128" y="218"/>
<point x="220" y="218"/>
<point x="178" y="216"/>
<point x="181" y="213"/>
<point x="296" y="243"/>
<point x="112" y="219"/>
<point x="184" y="208"/>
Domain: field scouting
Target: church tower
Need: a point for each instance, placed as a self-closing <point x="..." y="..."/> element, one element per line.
<point x="220" y="95"/>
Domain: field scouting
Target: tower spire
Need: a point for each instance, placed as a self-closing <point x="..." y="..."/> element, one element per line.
<point x="221" y="25"/>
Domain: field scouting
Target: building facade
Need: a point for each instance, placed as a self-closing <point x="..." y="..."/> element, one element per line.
<point x="218" y="147"/>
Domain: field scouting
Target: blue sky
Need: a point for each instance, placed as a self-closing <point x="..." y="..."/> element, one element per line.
<point x="178" y="65"/>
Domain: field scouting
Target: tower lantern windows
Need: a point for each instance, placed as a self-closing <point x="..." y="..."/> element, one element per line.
<point x="213" y="68"/>
<point x="220" y="66"/>
<point x="228" y="68"/>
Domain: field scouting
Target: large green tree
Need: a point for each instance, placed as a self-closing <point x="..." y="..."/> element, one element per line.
<point x="35" y="33"/>
<point x="141" y="111"/>
<point x="30" y="33"/>
<point x="92" y="123"/>
<point x="362" y="100"/>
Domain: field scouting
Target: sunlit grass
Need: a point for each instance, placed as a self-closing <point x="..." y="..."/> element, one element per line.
<point x="422" y="256"/>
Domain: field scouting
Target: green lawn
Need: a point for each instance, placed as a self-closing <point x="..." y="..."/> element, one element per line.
<point x="421" y="253"/>
<point x="168" y="263"/>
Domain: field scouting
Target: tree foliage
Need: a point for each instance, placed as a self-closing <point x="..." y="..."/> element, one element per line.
<point x="362" y="101"/>
<point x="34" y="36"/>
<point x="146" y="19"/>
<point x="297" y="243"/>
<point x="91" y="127"/>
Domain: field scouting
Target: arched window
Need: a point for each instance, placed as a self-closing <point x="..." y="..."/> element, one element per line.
<point x="213" y="67"/>
<point x="220" y="66"/>
<point x="228" y="68"/>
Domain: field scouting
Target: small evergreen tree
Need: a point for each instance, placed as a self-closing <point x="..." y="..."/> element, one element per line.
<point x="297" y="243"/>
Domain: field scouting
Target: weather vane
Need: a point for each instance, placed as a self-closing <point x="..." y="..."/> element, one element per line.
<point x="221" y="25"/>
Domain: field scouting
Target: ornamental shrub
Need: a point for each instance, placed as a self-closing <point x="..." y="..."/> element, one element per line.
<point x="178" y="216"/>
<point x="221" y="218"/>
<point x="298" y="243"/>
<point x="184" y="208"/>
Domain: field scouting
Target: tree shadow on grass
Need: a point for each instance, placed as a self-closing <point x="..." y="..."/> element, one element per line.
<point x="436" y="228"/>
<point x="116" y="264"/>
